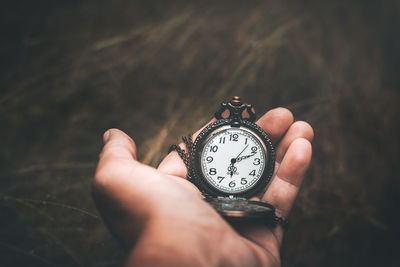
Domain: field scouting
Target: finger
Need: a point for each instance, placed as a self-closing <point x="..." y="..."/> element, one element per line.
<point x="117" y="183"/>
<point x="117" y="144"/>
<point x="172" y="164"/>
<point x="286" y="183"/>
<point x="119" y="177"/>
<point x="276" y="122"/>
<point x="299" y="129"/>
<point x="283" y="190"/>
<point x="119" y="151"/>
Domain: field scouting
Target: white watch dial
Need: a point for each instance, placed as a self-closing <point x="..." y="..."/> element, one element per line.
<point x="233" y="160"/>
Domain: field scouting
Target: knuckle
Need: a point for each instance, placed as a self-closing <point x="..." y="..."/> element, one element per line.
<point x="101" y="176"/>
<point x="126" y="137"/>
<point x="112" y="150"/>
<point x="111" y="170"/>
<point x="121" y="144"/>
<point x="304" y="128"/>
<point x="106" y="172"/>
<point x="303" y="154"/>
<point x="284" y="113"/>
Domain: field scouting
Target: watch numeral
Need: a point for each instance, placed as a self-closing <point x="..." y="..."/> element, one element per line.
<point x="232" y="184"/>
<point x="253" y="172"/>
<point x="256" y="161"/>
<point x="213" y="148"/>
<point x="212" y="171"/>
<point x="222" y="140"/>
<point x="243" y="181"/>
<point x="253" y="149"/>
<point x="220" y="178"/>
<point x="234" y="137"/>
<point x="245" y="142"/>
<point x="209" y="159"/>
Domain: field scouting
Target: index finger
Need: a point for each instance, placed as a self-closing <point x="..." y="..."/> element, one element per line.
<point x="286" y="183"/>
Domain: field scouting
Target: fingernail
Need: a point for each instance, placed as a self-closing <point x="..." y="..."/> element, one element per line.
<point x="106" y="136"/>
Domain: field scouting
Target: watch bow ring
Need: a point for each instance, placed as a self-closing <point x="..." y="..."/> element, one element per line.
<point x="231" y="160"/>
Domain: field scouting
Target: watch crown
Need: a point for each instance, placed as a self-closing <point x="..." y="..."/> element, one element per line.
<point x="236" y="101"/>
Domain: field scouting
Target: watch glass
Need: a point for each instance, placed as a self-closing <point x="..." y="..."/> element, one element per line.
<point x="233" y="159"/>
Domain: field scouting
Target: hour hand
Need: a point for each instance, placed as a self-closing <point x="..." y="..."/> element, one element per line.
<point x="244" y="157"/>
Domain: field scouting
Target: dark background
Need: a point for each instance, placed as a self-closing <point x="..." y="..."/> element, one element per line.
<point x="158" y="70"/>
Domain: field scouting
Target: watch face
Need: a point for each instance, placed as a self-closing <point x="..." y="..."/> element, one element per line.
<point x="233" y="159"/>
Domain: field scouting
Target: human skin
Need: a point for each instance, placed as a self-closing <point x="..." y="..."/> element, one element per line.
<point x="162" y="220"/>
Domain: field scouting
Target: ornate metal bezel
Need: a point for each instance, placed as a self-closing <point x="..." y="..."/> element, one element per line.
<point x="197" y="176"/>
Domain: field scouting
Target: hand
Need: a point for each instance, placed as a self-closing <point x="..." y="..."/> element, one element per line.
<point x="162" y="220"/>
<point x="231" y="168"/>
<point x="245" y="157"/>
<point x="235" y="159"/>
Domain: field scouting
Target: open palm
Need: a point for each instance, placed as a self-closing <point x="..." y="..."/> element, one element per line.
<point x="162" y="220"/>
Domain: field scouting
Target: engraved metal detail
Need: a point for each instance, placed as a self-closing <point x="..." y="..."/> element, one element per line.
<point x="236" y="109"/>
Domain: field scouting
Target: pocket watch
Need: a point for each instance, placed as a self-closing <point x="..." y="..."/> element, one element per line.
<point x="231" y="161"/>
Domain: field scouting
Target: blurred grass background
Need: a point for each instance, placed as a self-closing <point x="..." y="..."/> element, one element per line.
<point x="158" y="70"/>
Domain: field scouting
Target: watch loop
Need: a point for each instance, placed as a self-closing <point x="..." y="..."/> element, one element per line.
<point x="236" y="109"/>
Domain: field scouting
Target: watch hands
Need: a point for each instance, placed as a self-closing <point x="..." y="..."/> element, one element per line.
<point x="241" y="152"/>
<point x="245" y="157"/>
<point x="231" y="168"/>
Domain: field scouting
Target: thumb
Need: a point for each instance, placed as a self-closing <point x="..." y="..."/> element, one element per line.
<point x="116" y="159"/>
<point x="118" y="144"/>
<point x="115" y="188"/>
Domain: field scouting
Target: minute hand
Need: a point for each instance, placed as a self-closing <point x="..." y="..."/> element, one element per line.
<point x="244" y="157"/>
<point x="242" y="152"/>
